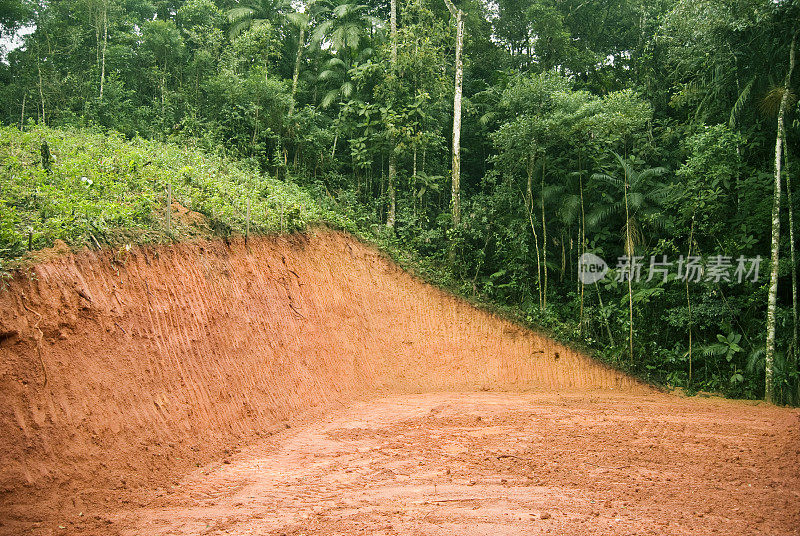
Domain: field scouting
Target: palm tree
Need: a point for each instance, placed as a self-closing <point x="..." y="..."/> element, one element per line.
<point x="343" y="32"/>
<point x="256" y="13"/>
<point x="334" y="75"/>
<point x="344" y="28"/>
<point x="278" y="13"/>
<point x="641" y="198"/>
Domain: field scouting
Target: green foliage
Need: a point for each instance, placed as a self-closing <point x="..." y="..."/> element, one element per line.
<point x="103" y="190"/>
<point x="727" y="347"/>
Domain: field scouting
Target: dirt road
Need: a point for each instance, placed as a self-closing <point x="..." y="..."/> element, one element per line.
<point x="497" y="463"/>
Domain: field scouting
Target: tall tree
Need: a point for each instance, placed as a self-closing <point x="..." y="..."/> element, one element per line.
<point x="772" y="299"/>
<point x="301" y="21"/>
<point x="458" y="14"/>
<point x="640" y="198"/>
<point x="793" y="259"/>
<point x="390" y="219"/>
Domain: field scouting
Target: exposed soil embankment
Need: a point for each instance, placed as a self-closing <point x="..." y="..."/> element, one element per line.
<point x="116" y="368"/>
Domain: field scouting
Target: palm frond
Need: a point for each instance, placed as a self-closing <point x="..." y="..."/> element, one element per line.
<point x="755" y="361"/>
<point x="648" y="174"/>
<point x="375" y="22"/>
<point x="335" y="63"/>
<point x="744" y="95"/>
<point x="601" y="214"/>
<point x="660" y="195"/>
<point x="352" y="36"/>
<point x="238" y="13"/>
<point x="621" y="161"/>
<point x="635" y="200"/>
<point x="327" y="75"/>
<point x="570" y="208"/>
<point x="329" y="98"/>
<point x="770" y="105"/>
<point x="487" y="118"/>
<point x="342" y="10"/>
<point x="608" y="179"/>
<point x="300" y="20"/>
<point x="347" y="89"/>
<point x="552" y="191"/>
<point x="238" y="27"/>
<point x="321" y="31"/>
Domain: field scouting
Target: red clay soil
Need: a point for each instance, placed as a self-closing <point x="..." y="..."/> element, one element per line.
<point x="122" y="372"/>
<point x="498" y="463"/>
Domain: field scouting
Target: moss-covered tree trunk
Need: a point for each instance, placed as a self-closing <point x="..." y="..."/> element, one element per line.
<point x="772" y="298"/>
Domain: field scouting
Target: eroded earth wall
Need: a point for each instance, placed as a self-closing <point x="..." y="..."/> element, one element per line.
<point x="117" y="365"/>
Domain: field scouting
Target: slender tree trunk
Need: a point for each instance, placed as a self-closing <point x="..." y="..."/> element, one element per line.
<point x="583" y="227"/>
<point x="41" y="91"/>
<point x="605" y="320"/>
<point x="96" y="23"/>
<point x="255" y="129"/>
<point x="390" y="219"/>
<point x="529" y="210"/>
<point x="105" y="46"/>
<point x="393" y="25"/>
<point x="297" y="61"/>
<point x="414" y="180"/>
<point x="336" y="133"/>
<point x="538" y="260"/>
<point x="772" y="300"/>
<point x="629" y="252"/>
<point x="529" y="190"/>
<point x="689" y="301"/>
<point x="22" y="115"/>
<point x="544" y="241"/>
<point x="459" y="80"/>
<point x="793" y="258"/>
<point x="480" y="262"/>
<point x="738" y="146"/>
<point x="391" y="190"/>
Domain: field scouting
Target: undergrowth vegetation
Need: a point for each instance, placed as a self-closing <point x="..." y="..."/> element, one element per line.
<point x="99" y="189"/>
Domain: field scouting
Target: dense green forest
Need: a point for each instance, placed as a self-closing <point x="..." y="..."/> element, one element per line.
<point x="498" y="141"/>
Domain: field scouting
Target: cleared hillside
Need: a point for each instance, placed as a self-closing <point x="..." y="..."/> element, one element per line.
<point x="117" y="367"/>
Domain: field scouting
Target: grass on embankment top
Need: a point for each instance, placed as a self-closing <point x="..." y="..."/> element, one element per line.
<point x="104" y="190"/>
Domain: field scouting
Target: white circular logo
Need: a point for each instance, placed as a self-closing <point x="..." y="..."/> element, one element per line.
<point x="591" y="268"/>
